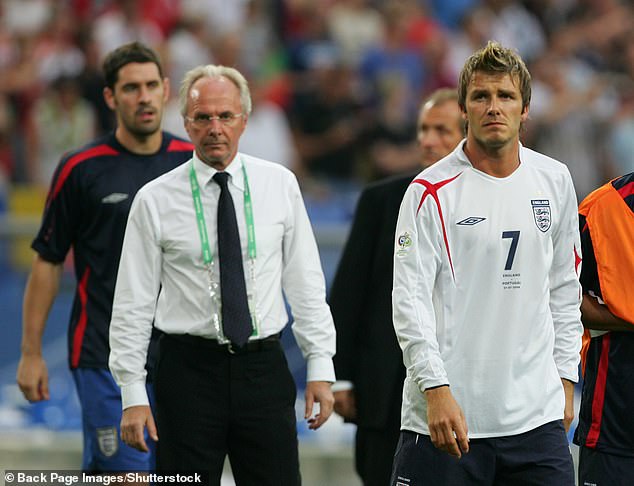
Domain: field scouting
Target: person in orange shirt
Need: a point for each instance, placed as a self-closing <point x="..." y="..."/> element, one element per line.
<point x="606" y="432"/>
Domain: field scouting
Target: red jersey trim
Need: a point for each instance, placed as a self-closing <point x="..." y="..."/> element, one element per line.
<point x="626" y="190"/>
<point x="599" y="394"/>
<point x="180" y="146"/>
<point x="80" y="330"/>
<point x="97" y="151"/>
<point x="432" y="190"/>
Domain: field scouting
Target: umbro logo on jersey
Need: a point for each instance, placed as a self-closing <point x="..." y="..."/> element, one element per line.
<point x="114" y="198"/>
<point x="470" y="221"/>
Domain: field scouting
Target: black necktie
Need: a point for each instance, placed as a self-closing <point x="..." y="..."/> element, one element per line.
<point x="236" y="319"/>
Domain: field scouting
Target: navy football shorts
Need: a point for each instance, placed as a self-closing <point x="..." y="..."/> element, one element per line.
<point x="538" y="457"/>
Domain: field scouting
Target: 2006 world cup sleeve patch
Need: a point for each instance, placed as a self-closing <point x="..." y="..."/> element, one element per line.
<point x="403" y="244"/>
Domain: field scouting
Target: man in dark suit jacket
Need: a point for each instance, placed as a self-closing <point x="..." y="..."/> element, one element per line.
<point x="368" y="362"/>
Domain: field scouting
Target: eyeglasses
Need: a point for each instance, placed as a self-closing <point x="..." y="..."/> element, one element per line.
<point x="203" y="121"/>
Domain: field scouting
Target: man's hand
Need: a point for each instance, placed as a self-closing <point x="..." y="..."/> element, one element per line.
<point x="320" y="392"/>
<point x="569" y="407"/>
<point x="133" y="422"/>
<point x="32" y="377"/>
<point x="346" y="404"/>
<point x="447" y="425"/>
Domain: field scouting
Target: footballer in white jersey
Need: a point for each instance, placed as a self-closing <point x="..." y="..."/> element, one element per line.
<point x="485" y="280"/>
<point x="486" y="298"/>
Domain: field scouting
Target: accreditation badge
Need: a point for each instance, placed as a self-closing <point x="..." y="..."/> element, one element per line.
<point x="252" y="299"/>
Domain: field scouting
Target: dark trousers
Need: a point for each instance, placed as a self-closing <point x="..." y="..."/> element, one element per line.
<point x="539" y="457"/>
<point x="211" y="403"/>
<point x="374" y="449"/>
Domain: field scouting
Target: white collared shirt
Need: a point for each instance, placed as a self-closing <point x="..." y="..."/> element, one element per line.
<point x="162" y="277"/>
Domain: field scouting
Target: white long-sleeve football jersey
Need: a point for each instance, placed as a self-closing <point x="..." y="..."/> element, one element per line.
<point x="486" y="294"/>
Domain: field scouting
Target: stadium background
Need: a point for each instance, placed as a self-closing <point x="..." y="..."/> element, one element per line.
<point x="336" y="87"/>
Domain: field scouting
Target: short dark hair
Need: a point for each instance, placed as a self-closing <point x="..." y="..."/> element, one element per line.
<point x="125" y="54"/>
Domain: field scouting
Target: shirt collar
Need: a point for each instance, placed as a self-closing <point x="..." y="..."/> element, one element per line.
<point x="459" y="152"/>
<point x="205" y="173"/>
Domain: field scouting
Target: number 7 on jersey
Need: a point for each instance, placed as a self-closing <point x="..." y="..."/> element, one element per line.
<point x="515" y="238"/>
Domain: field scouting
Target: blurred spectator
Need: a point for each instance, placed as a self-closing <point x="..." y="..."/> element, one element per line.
<point x="226" y="48"/>
<point x="621" y="131"/>
<point x="475" y="28"/>
<point x="450" y="14"/>
<point x="125" y="22"/>
<point x="440" y="73"/>
<point x="621" y="136"/>
<point x="553" y="15"/>
<point x="570" y="110"/>
<point x="61" y="119"/>
<point x="91" y="82"/>
<point x="394" y="59"/>
<point x="17" y="68"/>
<point x="327" y="122"/>
<point x="162" y="13"/>
<point x="188" y="46"/>
<point x="259" y="39"/>
<point x="268" y="134"/>
<point x="513" y="25"/>
<point x="355" y="26"/>
<point x="55" y="51"/>
<point x="592" y="32"/>
<point x="391" y="139"/>
<point x="7" y="156"/>
<point x="220" y="16"/>
<point x="25" y="17"/>
<point x="310" y="44"/>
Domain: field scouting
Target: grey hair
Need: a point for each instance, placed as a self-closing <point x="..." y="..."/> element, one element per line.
<point x="215" y="71"/>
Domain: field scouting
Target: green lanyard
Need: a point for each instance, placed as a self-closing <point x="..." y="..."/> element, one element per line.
<point x="200" y="217"/>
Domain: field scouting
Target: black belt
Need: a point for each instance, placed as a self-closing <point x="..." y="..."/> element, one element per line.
<point x="268" y="342"/>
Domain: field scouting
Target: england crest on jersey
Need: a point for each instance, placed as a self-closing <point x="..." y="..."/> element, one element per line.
<point x="541" y="214"/>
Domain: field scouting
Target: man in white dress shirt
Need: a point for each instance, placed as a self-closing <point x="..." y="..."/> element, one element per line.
<point x="486" y="298"/>
<point x="217" y="396"/>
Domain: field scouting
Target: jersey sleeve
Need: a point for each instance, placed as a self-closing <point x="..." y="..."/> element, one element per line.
<point x="565" y="289"/>
<point x="417" y="262"/>
<point x="62" y="214"/>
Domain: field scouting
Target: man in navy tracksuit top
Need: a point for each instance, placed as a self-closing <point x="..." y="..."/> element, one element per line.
<point x="87" y="209"/>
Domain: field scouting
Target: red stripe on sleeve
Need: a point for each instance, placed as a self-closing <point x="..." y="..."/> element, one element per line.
<point x="180" y="146"/>
<point x="626" y="190"/>
<point x="97" y="151"/>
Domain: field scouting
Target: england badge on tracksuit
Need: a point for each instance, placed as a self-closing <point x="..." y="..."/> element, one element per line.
<point x="541" y="213"/>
